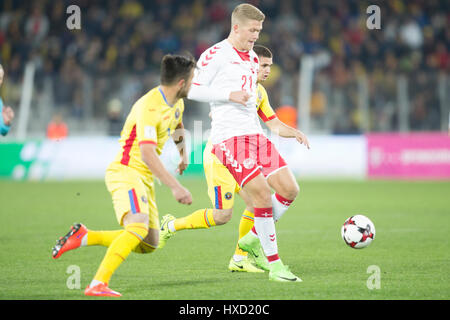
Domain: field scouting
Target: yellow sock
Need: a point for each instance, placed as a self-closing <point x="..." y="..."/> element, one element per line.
<point x="102" y="238"/>
<point x="245" y="225"/>
<point x="144" y="248"/>
<point x="200" y="219"/>
<point x="105" y="238"/>
<point x="119" y="250"/>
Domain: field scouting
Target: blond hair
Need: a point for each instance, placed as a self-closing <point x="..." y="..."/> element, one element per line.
<point x="246" y="11"/>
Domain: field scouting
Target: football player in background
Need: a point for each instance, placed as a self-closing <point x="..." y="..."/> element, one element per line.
<point x="130" y="177"/>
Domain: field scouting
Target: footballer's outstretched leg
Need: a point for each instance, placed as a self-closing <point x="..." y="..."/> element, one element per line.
<point x="136" y="230"/>
<point x="72" y="240"/>
<point x="199" y="219"/>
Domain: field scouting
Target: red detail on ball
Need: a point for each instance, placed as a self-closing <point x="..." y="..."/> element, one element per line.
<point x="364" y="236"/>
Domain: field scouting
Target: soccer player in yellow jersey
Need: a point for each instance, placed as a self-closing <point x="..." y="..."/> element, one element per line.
<point x="222" y="186"/>
<point x="129" y="178"/>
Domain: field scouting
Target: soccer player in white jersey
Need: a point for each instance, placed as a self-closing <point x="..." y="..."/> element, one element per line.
<point x="282" y="180"/>
<point x="226" y="77"/>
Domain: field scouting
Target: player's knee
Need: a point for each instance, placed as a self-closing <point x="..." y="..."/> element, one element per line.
<point x="222" y="216"/>
<point x="288" y="190"/>
<point x="136" y="218"/>
<point x="292" y="191"/>
<point x="262" y="198"/>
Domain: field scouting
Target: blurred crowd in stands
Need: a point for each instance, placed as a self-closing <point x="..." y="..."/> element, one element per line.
<point x="118" y="50"/>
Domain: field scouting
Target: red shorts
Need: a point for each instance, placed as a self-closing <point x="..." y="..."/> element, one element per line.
<point x="247" y="156"/>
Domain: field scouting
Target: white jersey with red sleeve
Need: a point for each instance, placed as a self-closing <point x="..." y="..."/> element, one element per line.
<point x="222" y="69"/>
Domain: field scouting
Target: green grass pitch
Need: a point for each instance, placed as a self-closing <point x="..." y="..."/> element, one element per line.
<point x="411" y="247"/>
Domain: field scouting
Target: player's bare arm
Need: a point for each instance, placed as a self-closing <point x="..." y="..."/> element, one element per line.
<point x="152" y="160"/>
<point x="179" y="139"/>
<point x="278" y="127"/>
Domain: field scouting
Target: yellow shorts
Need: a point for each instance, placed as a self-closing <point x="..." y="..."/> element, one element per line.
<point x="221" y="184"/>
<point x="131" y="192"/>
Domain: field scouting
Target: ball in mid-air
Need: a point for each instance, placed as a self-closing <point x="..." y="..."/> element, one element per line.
<point x="358" y="231"/>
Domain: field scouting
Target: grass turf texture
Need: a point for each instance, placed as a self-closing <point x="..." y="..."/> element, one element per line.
<point x="411" y="247"/>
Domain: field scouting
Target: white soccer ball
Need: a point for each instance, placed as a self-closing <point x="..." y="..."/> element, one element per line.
<point x="358" y="231"/>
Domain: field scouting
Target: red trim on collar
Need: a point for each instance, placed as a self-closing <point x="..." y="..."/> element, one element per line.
<point x="244" y="55"/>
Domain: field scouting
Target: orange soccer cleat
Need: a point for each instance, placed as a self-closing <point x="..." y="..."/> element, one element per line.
<point x="101" y="290"/>
<point x="70" y="241"/>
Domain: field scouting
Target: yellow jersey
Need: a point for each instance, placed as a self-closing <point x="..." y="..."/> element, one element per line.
<point x="151" y="120"/>
<point x="265" y="111"/>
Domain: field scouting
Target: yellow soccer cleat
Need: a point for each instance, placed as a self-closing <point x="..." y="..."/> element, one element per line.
<point x="252" y="245"/>
<point x="165" y="234"/>
<point x="281" y="273"/>
<point x="243" y="266"/>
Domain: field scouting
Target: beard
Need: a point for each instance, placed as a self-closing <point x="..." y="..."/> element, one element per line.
<point x="182" y="93"/>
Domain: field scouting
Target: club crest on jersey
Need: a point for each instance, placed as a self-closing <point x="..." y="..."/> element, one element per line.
<point x="144" y="199"/>
<point x="177" y="113"/>
<point x="228" y="195"/>
<point x="249" y="163"/>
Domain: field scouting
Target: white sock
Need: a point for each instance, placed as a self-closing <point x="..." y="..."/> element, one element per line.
<point x="238" y="257"/>
<point x="171" y="226"/>
<point x="265" y="228"/>
<point x="84" y="240"/>
<point x="280" y="206"/>
<point x="94" y="283"/>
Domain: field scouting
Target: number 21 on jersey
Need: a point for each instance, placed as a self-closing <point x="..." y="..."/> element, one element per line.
<point x="247" y="81"/>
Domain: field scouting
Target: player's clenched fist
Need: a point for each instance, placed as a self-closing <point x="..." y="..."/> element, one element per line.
<point x="239" y="97"/>
<point x="182" y="195"/>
